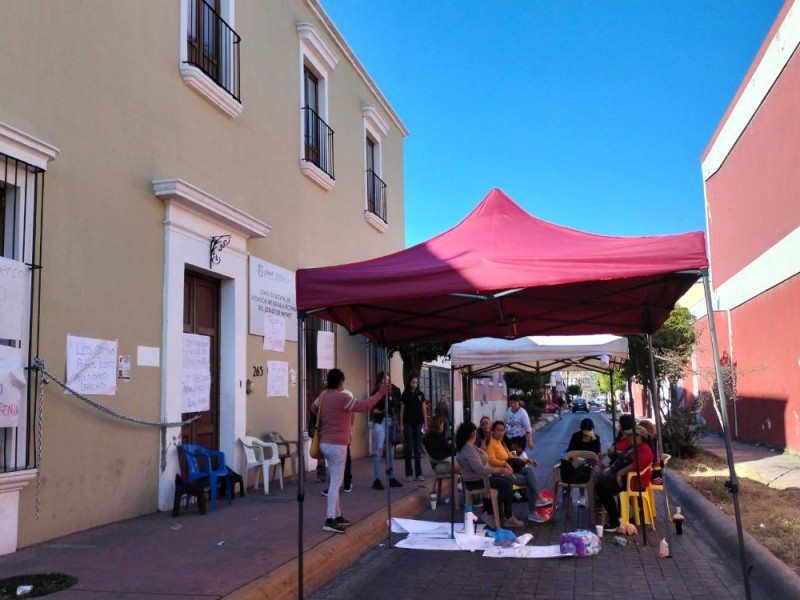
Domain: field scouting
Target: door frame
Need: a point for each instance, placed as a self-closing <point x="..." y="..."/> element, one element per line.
<point x="192" y="217"/>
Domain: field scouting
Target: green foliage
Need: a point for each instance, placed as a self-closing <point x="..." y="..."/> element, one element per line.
<point x="575" y="389"/>
<point x="604" y="382"/>
<point x="531" y="384"/>
<point x="416" y="353"/>
<point x="680" y="430"/>
<point x="672" y="349"/>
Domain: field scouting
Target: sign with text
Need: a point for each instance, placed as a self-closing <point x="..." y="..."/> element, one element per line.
<point x="196" y="373"/>
<point x="277" y="378"/>
<point x="274" y="333"/>
<point x="14" y="278"/>
<point x="12" y="385"/>
<point x="92" y="365"/>
<point x="326" y="349"/>
<point x="272" y="291"/>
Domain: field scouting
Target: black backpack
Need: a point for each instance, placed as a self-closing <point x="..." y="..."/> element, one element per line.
<point x="572" y="474"/>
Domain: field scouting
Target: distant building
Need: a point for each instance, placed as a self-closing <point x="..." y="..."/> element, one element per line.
<point x="751" y="174"/>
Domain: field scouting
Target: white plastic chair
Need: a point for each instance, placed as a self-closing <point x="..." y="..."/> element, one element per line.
<point x="264" y="455"/>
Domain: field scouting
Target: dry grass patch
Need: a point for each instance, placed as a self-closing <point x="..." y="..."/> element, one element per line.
<point x="769" y="515"/>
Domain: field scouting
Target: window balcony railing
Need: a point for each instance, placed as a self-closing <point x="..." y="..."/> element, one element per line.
<point x="213" y="47"/>
<point x="318" y="139"/>
<point x="376" y="195"/>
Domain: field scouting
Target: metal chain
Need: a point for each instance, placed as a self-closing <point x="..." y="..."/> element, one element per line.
<point x="38" y="364"/>
<point x="39" y="428"/>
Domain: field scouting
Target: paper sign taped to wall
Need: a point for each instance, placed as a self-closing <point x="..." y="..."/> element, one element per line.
<point x="277" y="378"/>
<point x="14" y="278"/>
<point x="274" y="333"/>
<point x="12" y="385"/>
<point x="326" y="349"/>
<point x="92" y="366"/>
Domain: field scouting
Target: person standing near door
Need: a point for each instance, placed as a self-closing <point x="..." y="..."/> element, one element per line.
<point x="336" y="410"/>
<point x="413" y="419"/>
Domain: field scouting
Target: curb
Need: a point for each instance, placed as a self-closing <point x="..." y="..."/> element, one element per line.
<point x="329" y="557"/>
<point x="767" y="572"/>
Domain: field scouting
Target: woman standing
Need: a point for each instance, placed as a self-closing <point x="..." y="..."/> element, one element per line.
<point x="336" y="410"/>
<point x="413" y="418"/>
<point x="383" y="416"/>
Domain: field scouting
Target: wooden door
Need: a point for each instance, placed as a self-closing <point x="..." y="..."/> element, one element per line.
<point x="201" y="316"/>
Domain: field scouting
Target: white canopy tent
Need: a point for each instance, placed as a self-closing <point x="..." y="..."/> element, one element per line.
<point x="541" y="354"/>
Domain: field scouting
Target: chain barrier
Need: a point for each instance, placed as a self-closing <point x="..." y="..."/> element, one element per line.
<point x="44" y="378"/>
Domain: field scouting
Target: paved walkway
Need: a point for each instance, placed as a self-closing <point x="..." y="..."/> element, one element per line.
<point x="249" y="549"/>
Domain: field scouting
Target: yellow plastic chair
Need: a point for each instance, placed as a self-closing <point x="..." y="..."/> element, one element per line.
<point x="629" y="499"/>
<point x="660" y="486"/>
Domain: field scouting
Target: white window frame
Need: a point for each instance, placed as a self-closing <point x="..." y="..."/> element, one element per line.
<point x="375" y="129"/>
<point x="194" y="77"/>
<point x="318" y="56"/>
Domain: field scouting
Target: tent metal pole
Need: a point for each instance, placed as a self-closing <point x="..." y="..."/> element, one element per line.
<point x="387" y="445"/>
<point x="733" y="483"/>
<point x="301" y="459"/>
<point x="452" y="454"/>
<point x="655" y="405"/>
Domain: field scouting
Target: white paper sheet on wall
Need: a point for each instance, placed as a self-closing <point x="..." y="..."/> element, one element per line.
<point x="325" y="349"/>
<point x="12" y="385"/>
<point x="14" y="277"/>
<point x="196" y="373"/>
<point x="274" y="333"/>
<point x="277" y="378"/>
<point x="92" y="365"/>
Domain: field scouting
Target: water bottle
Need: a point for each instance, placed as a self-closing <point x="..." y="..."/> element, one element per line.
<point x="469" y="520"/>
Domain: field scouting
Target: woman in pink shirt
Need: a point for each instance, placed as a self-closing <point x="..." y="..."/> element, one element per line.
<point x="336" y="409"/>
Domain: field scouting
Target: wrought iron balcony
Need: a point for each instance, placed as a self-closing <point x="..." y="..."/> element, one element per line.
<point x="376" y="195"/>
<point x="213" y="47"/>
<point x="318" y="139"/>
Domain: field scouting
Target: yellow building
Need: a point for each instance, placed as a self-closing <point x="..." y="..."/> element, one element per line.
<point x="196" y="153"/>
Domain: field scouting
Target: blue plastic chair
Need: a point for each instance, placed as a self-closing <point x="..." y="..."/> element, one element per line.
<point x="200" y="467"/>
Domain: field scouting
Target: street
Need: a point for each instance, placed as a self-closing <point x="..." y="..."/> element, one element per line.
<point x="697" y="568"/>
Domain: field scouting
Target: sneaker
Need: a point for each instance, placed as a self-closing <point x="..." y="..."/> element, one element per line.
<point x="324" y="492"/>
<point x="377" y="485"/>
<point x="409" y="478"/>
<point x="394" y="483"/>
<point x="535" y="517"/>
<point x="543" y="502"/>
<point x="420" y="478"/>
<point x="610" y="529"/>
<point x="332" y="526"/>
<point x="348" y="488"/>
<point x="511" y="522"/>
<point x="342" y="521"/>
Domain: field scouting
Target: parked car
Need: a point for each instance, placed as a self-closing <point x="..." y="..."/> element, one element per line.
<point x="597" y="402"/>
<point x="580" y="404"/>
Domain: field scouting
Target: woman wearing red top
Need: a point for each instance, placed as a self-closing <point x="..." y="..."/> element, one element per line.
<point x="336" y="410"/>
<point x="612" y="484"/>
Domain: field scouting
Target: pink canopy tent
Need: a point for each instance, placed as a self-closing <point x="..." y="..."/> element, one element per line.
<point x="504" y="273"/>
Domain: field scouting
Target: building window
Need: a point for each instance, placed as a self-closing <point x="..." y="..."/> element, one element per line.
<point x="210" y="53"/>
<point x="317" y="60"/>
<point x="23" y="160"/>
<point x="375" y="129"/>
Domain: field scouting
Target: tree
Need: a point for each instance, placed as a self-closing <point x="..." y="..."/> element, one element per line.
<point x="414" y="354"/>
<point x="673" y="344"/>
<point x="604" y="382"/>
<point x="531" y="385"/>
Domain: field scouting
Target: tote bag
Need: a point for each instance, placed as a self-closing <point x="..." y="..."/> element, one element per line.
<point x="315" y="451"/>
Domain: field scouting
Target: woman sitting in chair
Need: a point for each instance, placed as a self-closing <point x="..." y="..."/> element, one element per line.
<point x="474" y="465"/>
<point x="439" y="448"/>
<point x="612" y="483"/>
<point x="524" y="474"/>
<point x="586" y="439"/>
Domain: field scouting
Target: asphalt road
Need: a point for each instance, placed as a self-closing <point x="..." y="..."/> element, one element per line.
<point x="696" y="569"/>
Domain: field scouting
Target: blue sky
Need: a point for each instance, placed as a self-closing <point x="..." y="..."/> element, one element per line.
<point x="592" y="114"/>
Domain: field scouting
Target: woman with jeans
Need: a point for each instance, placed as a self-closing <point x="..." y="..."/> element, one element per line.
<point x="336" y="424"/>
<point x="474" y="464"/>
<point x="413" y="418"/>
<point x="383" y="416"/>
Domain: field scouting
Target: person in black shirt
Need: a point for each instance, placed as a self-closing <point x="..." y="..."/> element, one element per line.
<point x="413" y="418"/>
